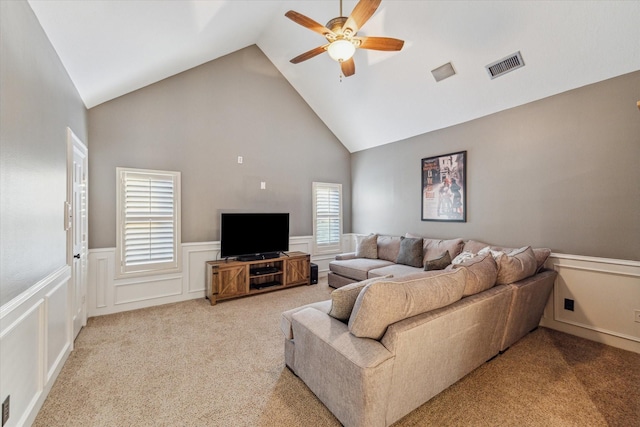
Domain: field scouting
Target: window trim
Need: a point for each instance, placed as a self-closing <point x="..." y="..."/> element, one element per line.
<point x="330" y="248"/>
<point x="150" y="268"/>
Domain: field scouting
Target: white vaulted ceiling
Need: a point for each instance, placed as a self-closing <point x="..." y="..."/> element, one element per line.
<point x="110" y="48"/>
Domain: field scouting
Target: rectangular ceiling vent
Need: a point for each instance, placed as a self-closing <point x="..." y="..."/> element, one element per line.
<point x="443" y="72"/>
<point x="503" y="66"/>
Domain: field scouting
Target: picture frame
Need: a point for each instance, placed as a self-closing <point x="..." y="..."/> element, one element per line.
<point x="444" y="187"/>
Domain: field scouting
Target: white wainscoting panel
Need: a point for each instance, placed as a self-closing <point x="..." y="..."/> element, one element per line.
<point x="107" y="294"/>
<point x="57" y="312"/>
<point x="301" y="244"/>
<point x="142" y="290"/>
<point x="34" y="344"/>
<point x="196" y="255"/>
<point x="606" y="294"/>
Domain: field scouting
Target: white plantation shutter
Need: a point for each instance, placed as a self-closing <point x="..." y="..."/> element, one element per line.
<point x="149" y="229"/>
<point x="327" y="217"/>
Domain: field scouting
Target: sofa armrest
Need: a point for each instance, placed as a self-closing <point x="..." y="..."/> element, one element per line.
<point x="350" y="375"/>
<point x="346" y="255"/>
<point x="287" y="316"/>
<point x="529" y="299"/>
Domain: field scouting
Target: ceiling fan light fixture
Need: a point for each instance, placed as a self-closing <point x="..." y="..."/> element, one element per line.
<point x="341" y="50"/>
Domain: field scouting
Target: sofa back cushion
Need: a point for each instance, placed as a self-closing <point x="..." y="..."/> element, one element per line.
<point x="385" y="302"/>
<point x="482" y="272"/>
<point x="367" y="246"/>
<point x="541" y="257"/>
<point x="475" y="246"/>
<point x="434" y="248"/>
<point x="343" y="298"/>
<point x="388" y="247"/>
<point x="515" y="265"/>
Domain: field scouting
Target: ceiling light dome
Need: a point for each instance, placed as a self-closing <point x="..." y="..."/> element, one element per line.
<point x="341" y="50"/>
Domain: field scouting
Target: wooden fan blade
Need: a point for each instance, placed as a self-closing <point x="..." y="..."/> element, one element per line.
<point x="309" y="23"/>
<point x="360" y="15"/>
<point x="309" y="54"/>
<point x="380" y="43"/>
<point x="348" y="67"/>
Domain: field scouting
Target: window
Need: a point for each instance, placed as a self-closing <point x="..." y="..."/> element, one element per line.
<point x="327" y="217"/>
<point x="148" y="221"/>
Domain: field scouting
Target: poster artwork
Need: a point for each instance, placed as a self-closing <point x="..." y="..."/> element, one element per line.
<point x="444" y="188"/>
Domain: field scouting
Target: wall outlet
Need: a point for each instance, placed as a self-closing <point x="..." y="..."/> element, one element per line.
<point x="636" y="317"/>
<point x="568" y="304"/>
<point x="240" y="160"/>
<point x="5" y="410"/>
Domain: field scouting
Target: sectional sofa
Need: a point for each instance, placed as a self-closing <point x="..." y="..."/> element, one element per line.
<point x="393" y="334"/>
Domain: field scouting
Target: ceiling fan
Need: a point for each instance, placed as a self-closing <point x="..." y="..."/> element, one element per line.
<point x="341" y="35"/>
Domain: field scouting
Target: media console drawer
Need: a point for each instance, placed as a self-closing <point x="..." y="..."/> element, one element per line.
<point x="234" y="279"/>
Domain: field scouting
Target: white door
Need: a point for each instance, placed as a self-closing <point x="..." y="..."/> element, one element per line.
<point x="77" y="176"/>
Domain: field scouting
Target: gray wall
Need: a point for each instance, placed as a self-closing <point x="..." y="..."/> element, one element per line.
<point x="562" y="172"/>
<point x="37" y="103"/>
<point x="199" y="122"/>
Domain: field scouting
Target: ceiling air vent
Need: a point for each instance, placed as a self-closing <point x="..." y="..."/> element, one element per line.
<point x="503" y="66"/>
<point x="443" y="71"/>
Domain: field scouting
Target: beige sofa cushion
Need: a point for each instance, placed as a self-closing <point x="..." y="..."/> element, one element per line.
<point x="482" y="272"/>
<point x="382" y="303"/>
<point x="515" y="265"/>
<point x="475" y="246"/>
<point x="433" y="248"/>
<point x="541" y="257"/>
<point x="357" y="268"/>
<point x="395" y="270"/>
<point x="367" y="246"/>
<point x="388" y="247"/>
<point x="343" y="299"/>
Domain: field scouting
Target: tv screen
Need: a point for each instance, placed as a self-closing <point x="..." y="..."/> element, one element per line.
<point x="253" y="234"/>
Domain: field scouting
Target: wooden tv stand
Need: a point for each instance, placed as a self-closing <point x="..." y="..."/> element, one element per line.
<point x="234" y="279"/>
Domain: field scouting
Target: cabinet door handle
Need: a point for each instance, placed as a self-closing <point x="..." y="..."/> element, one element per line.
<point x="77" y="256"/>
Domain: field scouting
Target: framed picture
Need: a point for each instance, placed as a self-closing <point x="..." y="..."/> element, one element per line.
<point x="444" y="187"/>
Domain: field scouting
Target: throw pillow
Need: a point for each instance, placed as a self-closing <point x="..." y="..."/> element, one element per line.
<point x="367" y="246"/>
<point x="343" y="298"/>
<point x="439" y="263"/>
<point x="410" y="252"/>
<point x="482" y="272"/>
<point x="382" y="303"/>
<point x="516" y="265"/>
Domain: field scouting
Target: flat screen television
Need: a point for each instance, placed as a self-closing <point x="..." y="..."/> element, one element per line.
<point x="252" y="236"/>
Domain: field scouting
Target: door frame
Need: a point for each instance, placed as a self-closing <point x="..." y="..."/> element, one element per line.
<point x="73" y="143"/>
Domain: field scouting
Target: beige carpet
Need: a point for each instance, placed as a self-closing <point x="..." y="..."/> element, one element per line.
<point x="191" y="364"/>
